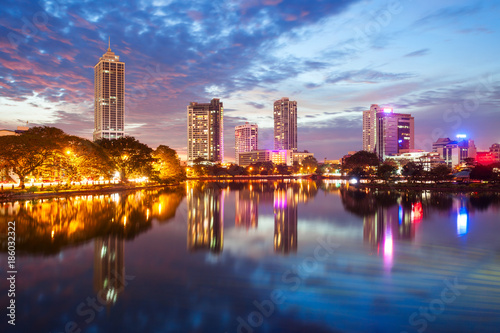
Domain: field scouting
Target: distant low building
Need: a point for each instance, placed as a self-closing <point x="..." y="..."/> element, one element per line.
<point x="276" y="156"/>
<point x="495" y="151"/>
<point x="455" y="152"/>
<point x="428" y="160"/>
<point x="299" y="156"/>
<point x="20" y="130"/>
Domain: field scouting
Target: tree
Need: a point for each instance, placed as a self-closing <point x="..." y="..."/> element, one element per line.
<point x="440" y="172"/>
<point x="167" y="165"/>
<point x="310" y="164"/>
<point x="27" y="153"/>
<point x="266" y="168"/>
<point x="413" y="170"/>
<point x="282" y="169"/>
<point x="482" y="172"/>
<point x="83" y="158"/>
<point x="236" y="170"/>
<point x="129" y="157"/>
<point x="386" y="170"/>
<point x="362" y="160"/>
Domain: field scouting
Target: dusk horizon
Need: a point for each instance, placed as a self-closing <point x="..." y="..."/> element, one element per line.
<point x="436" y="61"/>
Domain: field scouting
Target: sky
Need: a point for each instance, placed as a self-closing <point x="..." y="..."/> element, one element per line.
<point x="437" y="60"/>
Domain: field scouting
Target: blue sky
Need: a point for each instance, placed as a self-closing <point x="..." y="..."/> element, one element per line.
<point x="436" y="60"/>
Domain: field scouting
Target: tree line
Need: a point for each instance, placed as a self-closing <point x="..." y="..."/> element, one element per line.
<point x="47" y="153"/>
<point x="365" y="164"/>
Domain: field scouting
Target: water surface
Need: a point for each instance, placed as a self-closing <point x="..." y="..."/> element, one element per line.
<point x="295" y="256"/>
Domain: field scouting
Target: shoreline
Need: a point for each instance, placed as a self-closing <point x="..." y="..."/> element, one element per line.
<point x="457" y="188"/>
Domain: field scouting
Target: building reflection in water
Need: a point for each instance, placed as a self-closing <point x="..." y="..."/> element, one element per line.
<point x="462" y="217"/>
<point x="247" y="209"/>
<point x="387" y="224"/>
<point x="109" y="267"/>
<point x="285" y="220"/>
<point x="205" y="218"/>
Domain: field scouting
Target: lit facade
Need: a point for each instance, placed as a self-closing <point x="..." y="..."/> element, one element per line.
<point x="495" y="152"/>
<point x="386" y="132"/>
<point x="299" y="156"/>
<point x="285" y="124"/>
<point x="370" y="127"/>
<point x="206" y="131"/>
<point x="428" y="160"/>
<point x="394" y="132"/>
<point x="109" y="97"/>
<point x="246" y="138"/>
<point x="455" y="152"/>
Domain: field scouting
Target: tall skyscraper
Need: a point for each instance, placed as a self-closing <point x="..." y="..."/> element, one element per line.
<point x="109" y="97"/>
<point x="370" y="127"/>
<point x="387" y="133"/>
<point x="245" y="139"/>
<point x="206" y="131"/>
<point x="285" y="124"/>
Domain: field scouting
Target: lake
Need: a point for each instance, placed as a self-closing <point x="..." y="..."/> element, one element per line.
<point x="259" y="256"/>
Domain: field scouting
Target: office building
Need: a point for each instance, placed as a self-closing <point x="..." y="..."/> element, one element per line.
<point x="427" y="160"/>
<point x="285" y="124"/>
<point x="386" y="132"/>
<point x="455" y="152"/>
<point x="109" y="97"/>
<point x="246" y="138"/>
<point x="370" y="127"/>
<point x="495" y="152"/>
<point x="205" y="131"/>
<point x="276" y="156"/>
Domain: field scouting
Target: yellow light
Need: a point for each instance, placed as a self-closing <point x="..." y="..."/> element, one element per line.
<point x="52" y="235"/>
<point x="68" y="152"/>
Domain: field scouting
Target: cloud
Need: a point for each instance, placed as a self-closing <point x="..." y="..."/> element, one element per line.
<point x="367" y="76"/>
<point x="256" y="105"/>
<point x="418" y="53"/>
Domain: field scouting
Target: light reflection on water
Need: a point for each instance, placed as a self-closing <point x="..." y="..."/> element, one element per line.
<point x="203" y="255"/>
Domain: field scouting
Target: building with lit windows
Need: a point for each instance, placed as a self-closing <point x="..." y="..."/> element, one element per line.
<point x="276" y="156"/>
<point x="109" y="97"/>
<point x="285" y="124"/>
<point x="246" y="138"/>
<point x="495" y="152"/>
<point x="205" y="131"/>
<point x="370" y="127"/>
<point x="386" y="132"/>
<point x="455" y="152"/>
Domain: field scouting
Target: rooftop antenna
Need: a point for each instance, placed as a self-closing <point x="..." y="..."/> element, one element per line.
<point x="109" y="43"/>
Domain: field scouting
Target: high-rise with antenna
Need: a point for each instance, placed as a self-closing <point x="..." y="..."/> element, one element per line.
<point x="109" y="96"/>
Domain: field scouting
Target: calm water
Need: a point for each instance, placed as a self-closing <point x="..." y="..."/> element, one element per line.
<point x="256" y="257"/>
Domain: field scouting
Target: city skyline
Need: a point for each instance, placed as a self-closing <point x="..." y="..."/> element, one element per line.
<point x="435" y="61"/>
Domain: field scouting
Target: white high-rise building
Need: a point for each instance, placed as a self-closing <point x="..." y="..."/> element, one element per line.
<point x="246" y="137"/>
<point x="109" y="97"/>
<point x="285" y="124"/>
<point x="205" y="131"/>
<point x="370" y="128"/>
